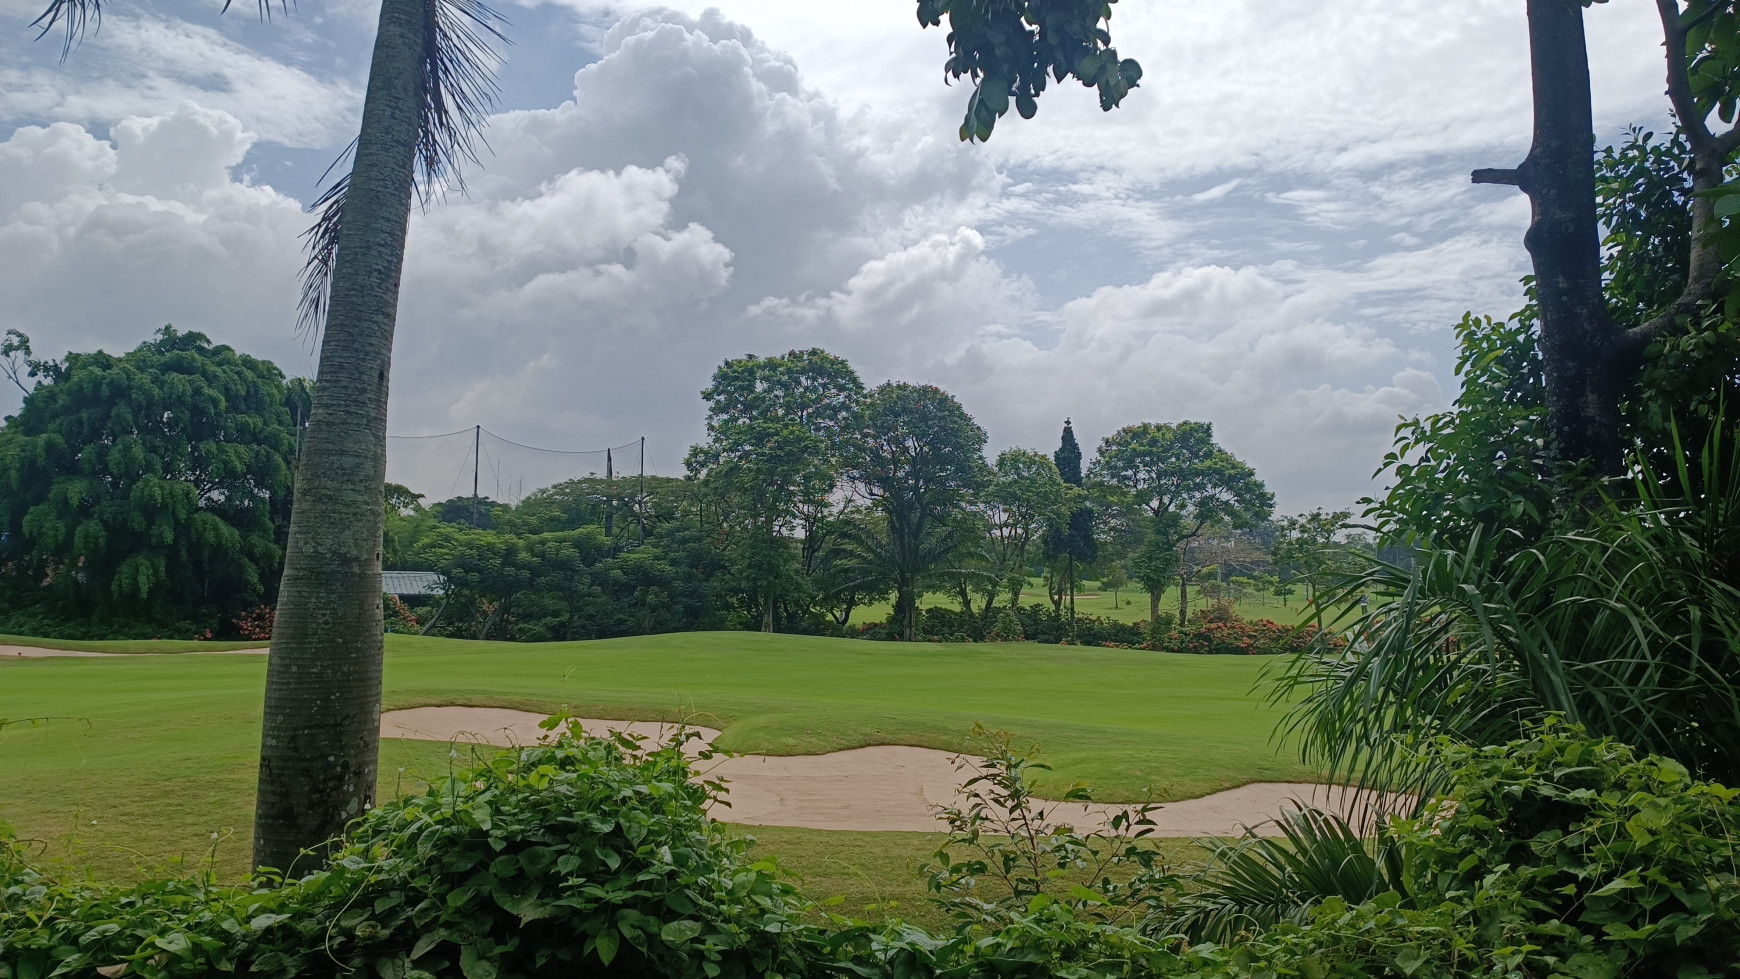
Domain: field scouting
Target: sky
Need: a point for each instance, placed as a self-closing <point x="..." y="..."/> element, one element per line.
<point x="1275" y="233"/>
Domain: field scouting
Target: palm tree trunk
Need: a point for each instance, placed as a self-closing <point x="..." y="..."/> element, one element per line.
<point x="320" y="736"/>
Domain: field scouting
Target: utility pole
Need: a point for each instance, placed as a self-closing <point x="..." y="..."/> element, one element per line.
<point x="476" y="456"/>
<point x="609" y="494"/>
<point x="640" y="493"/>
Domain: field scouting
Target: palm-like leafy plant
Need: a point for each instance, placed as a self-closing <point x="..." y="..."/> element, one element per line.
<point x="1257" y="882"/>
<point x="1628" y="624"/>
<point x="429" y="91"/>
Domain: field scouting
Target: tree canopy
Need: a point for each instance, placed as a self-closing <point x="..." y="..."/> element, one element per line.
<point x="1186" y="482"/>
<point x="150" y="488"/>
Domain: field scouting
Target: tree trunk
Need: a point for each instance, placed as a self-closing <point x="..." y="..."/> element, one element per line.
<point x="1183" y="598"/>
<point x="320" y="735"/>
<point x="1579" y="341"/>
<point x="1153" y="608"/>
<point x="767" y="612"/>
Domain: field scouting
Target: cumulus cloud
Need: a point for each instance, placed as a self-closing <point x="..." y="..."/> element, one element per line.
<point x="141" y="65"/>
<point x="105" y="240"/>
<point x="1274" y="234"/>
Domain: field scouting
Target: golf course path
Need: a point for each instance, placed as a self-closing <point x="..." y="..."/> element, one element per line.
<point x="885" y="787"/>
<point x="43" y="652"/>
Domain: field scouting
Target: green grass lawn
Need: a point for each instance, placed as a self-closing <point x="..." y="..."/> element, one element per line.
<point x="1127" y="605"/>
<point x="129" y="645"/>
<point x="140" y="760"/>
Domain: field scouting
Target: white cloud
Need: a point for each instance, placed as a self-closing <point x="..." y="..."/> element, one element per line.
<point x="142" y="65"/>
<point x="104" y="241"/>
<point x="1274" y="233"/>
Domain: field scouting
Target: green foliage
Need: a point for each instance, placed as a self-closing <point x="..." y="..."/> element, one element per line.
<point x="1307" y="546"/>
<point x="591" y="855"/>
<point x="1026" y="496"/>
<point x="1484" y="463"/>
<point x="1007" y="47"/>
<point x="1626" y="621"/>
<point x="917" y="457"/>
<point x="1258" y="882"/>
<point x="1188" y="485"/>
<point x="1006" y="847"/>
<point x="1070" y="544"/>
<point x="147" y="490"/>
<point x="1644" y="196"/>
<point x="771" y="463"/>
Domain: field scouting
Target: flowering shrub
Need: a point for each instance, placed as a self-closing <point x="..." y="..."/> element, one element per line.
<point x="399" y="618"/>
<point x="256" y="624"/>
<point x="1218" y="632"/>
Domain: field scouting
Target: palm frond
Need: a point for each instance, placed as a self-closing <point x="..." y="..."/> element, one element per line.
<point x="1628" y="624"/>
<point x="459" y="91"/>
<point x="74" y="17"/>
<point x="1257" y="882"/>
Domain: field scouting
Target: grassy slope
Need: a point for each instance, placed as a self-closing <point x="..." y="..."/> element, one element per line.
<point x="1132" y="605"/>
<point x="129" y="645"/>
<point x="146" y="757"/>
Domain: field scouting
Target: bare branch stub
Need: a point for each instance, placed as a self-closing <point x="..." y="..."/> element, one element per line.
<point x="1492" y="175"/>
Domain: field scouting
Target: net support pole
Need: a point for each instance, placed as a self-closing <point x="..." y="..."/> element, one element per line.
<point x="476" y="457"/>
<point x="609" y="494"/>
<point x="640" y="493"/>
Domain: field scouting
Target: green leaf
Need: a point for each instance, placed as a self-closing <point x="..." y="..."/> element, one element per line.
<point x="680" y="932"/>
<point x="605" y="945"/>
<point x="1409" y="959"/>
<point x="473" y="965"/>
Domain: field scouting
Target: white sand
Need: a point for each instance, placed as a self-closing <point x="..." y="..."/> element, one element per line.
<point x="42" y="652"/>
<point x="887" y="787"/>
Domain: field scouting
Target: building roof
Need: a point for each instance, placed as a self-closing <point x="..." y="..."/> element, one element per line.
<point x="403" y="583"/>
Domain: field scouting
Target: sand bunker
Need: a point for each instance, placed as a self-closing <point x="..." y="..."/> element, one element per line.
<point x="42" y="652"/>
<point x="888" y="787"/>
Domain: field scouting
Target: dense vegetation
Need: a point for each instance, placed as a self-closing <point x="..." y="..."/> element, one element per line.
<point x="1552" y="855"/>
<point x="146" y="494"/>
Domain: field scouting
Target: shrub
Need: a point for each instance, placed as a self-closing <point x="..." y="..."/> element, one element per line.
<point x="398" y="615"/>
<point x="1552" y="855"/>
<point x="584" y="856"/>
<point x="1229" y="635"/>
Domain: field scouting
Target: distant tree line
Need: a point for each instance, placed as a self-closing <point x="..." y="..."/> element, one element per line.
<point x="149" y="494"/>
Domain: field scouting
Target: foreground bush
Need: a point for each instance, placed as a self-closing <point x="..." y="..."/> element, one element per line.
<point x="1551" y="856"/>
<point x="578" y="857"/>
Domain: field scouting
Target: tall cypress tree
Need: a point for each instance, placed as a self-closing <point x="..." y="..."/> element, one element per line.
<point x="1074" y="542"/>
<point x="1068" y="456"/>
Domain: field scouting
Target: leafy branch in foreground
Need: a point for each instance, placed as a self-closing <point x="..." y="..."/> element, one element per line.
<point x="1023" y="855"/>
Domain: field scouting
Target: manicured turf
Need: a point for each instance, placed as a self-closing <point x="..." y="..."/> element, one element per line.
<point x="129" y="645"/>
<point x="141" y="759"/>
<point x="1131" y="605"/>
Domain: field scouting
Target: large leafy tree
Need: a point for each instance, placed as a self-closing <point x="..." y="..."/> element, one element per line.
<point x="1188" y="484"/>
<point x="142" y="488"/>
<point x="1310" y="546"/>
<point x="771" y="463"/>
<point x="1026" y="497"/>
<point x="916" y="457"/>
